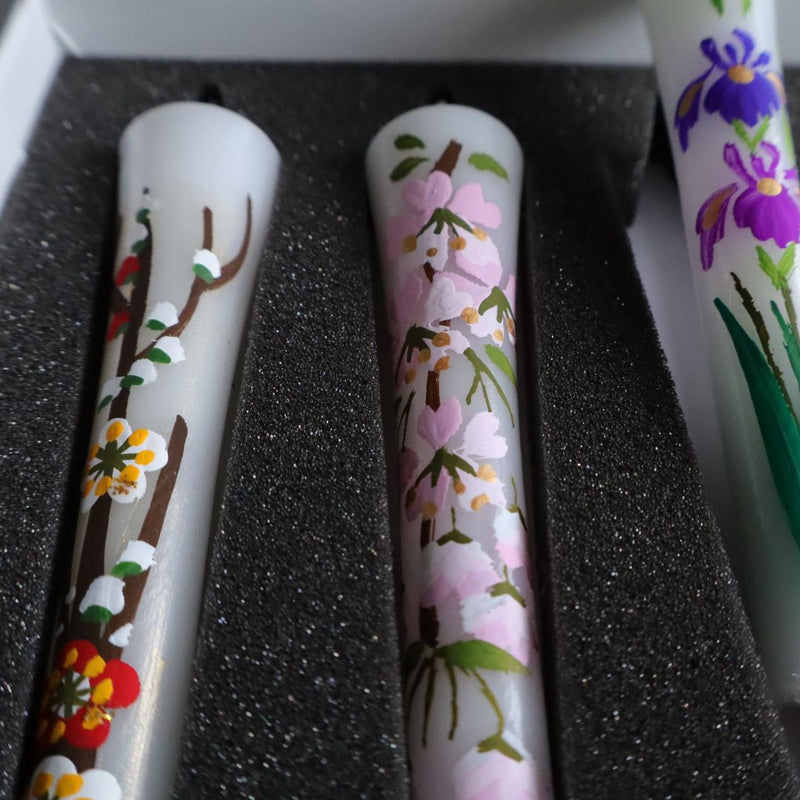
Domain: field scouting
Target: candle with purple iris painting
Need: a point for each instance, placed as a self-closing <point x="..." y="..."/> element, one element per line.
<point x="195" y="194"/>
<point x="722" y="89"/>
<point x="445" y="185"/>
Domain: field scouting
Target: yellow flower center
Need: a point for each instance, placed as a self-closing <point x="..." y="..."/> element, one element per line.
<point x="424" y="356"/>
<point x="70" y="658"/>
<point x="411" y="375"/>
<point x="102" y="486"/>
<point x="487" y="473"/>
<point x="128" y="476"/>
<point x="94" y="717"/>
<point x="511" y="326"/>
<point x="42" y="784"/>
<point x="479" y="234"/>
<point x="429" y="510"/>
<point x="442" y="364"/>
<point x="479" y="502"/>
<point x="459" y="243"/>
<point x="145" y="457"/>
<point x="441" y="340"/>
<point x="68" y="784"/>
<point x="769" y="187"/>
<point x="102" y="692"/>
<point x="58" y="731"/>
<point x="741" y="74"/>
<point x="458" y="486"/>
<point x="95" y="449"/>
<point x="409" y="244"/>
<point x="431" y="252"/>
<point x="95" y="666"/>
<point x="498" y="334"/>
<point x="87" y="488"/>
<point x="470" y="315"/>
<point x="138" y="437"/>
<point x="114" y="431"/>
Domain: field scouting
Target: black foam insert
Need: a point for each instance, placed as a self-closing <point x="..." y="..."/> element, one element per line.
<point x="654" y="686"/>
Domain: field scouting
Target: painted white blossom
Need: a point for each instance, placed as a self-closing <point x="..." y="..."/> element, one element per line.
<point x="104" y="593"/>
<point x="206" y="266"/>
<point x="162" y="316"/>
<point x="167" y="350"/>
<point x="122" y="635"/>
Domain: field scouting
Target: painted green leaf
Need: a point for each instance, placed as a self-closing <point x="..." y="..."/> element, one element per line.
<point x="497" y="742"/>
<point x="500" y="360"/>
<point x="406" y="167"/>
<point x="411" y="658"/>
<point x="126" y="569"/>
<point x="719" y="5"/>
<point x="96" y="614"/>
<point x="785" y="264"/>
<point x="408" y="141"/>
<point x="789" y="341"/>
<point x="138" y="246"/>
<point x="142" y="214"/>
<point x="157" y="324"/>
<point x="768" y="267"/>
<point x="485" y="163"/>
<point x="746" y="4"/>
<point x="778" y="428"/>
<point x="158" y="356"/>
<point x="131" y="380"/>
<point x="105" y="401"/>
<point x="478" y="654"/>
<point x="497" y="300"/>
<point x="203" y="272"/>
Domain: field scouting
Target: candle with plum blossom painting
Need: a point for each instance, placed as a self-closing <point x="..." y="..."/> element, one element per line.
<point x="195" y="195"/>
<point x="445" y="184"/>
<point x="722" y="89"/>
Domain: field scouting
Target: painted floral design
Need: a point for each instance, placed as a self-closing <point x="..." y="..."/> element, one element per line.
<point x="743" y="90"/>
<point x="768" y="203"/>
<point x="762" y="198"/>
<point x="91" y="684"/>
<point x="83" y="692"/>
<point x="57" y="778"/>
<point x="119" y="463"/>
<point x="453" y="330"/>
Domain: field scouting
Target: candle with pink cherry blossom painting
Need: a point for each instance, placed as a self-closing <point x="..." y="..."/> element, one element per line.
<point x="445" y="185"/>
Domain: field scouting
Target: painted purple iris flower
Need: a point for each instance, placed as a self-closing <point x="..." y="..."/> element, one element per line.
<point x="765" y="204"/>
<point x="743" y="91"/>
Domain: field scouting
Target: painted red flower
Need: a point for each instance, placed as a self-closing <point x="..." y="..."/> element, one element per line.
<point x="82" y="693"/>
<point x="128" y="270"/>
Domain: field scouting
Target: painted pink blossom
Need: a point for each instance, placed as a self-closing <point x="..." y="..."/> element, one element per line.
<point x="502" y="621"/>
<point x="511" y="541"/>
<point x="444" y="301"/>
<point x="445" y="227"/>
<point x="409" y="461"/>
<point x="427" y="499"/>
<point x="437" y="427"/>
<point x="481" y="439"/>
<point x="454" y="568"/>
<point x="495" y="776"/>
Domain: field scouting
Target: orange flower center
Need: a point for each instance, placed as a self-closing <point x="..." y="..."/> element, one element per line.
<point x="769" y="187"/>
<point x="741" y="74"/>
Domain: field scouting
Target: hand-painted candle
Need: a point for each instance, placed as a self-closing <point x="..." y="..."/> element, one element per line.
<point x="720" y="80"/>
<point x="445" y="184"/>
<point x="196" y="190"/>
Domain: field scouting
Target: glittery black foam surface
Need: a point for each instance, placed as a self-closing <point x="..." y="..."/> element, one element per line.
<point x="654" y="686"/>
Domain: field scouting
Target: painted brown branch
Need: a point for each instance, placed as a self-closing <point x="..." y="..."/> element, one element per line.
<point x="448" y="159"/>
<point x="428" y="615"/>
<point x="199" y="286"/>
<point x="151" y="530"/>
<point x="136" y="308"/>
<point x="763" y="336"/>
